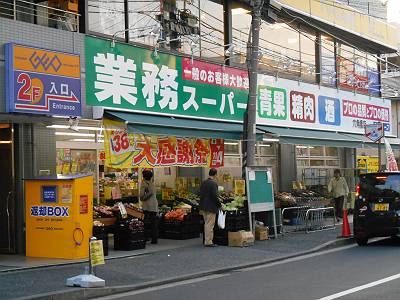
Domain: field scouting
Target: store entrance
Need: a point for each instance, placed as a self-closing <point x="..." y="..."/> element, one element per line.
<point x="7" y="204"/>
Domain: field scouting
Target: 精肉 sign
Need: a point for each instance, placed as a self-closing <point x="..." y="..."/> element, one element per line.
<point x="42" y="81"/>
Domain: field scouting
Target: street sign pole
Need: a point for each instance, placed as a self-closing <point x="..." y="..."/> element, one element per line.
<point x="379" y="155"/>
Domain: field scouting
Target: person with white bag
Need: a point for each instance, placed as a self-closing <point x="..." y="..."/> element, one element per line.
<point x="209" y="206"/>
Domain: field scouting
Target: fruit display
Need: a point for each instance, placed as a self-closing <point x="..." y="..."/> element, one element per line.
<point x="102" y="211"/>
<point x="177" y="214"/>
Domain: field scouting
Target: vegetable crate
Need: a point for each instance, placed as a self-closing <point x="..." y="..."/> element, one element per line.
<point x="180" y="230"/>
<point x="126" y="239"/>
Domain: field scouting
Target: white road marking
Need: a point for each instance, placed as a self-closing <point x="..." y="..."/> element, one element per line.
<point x="361" y="287"/>
<point x="162" y="287"/>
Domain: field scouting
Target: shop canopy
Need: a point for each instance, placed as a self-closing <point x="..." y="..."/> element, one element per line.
<point x="174" y="126"/>
<point x="317" y="137"/>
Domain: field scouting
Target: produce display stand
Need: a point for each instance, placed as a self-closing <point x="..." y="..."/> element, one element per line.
<point x="260" y="193"/>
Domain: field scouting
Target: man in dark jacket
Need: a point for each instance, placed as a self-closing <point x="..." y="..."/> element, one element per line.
<point x="209" y="205"/>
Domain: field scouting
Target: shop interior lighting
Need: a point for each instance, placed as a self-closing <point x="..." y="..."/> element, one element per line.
<point x="74" y="134"/>
<point x="86" y="140"/>
<point x="239" y="11"/>
<point x="272" y="140"/>
<point x="304" y="147"/>
<point x="264" y="145"/>
<point x="231" y="143"/>
<point x="5" y="142"/>
<point x="79" y="127"/>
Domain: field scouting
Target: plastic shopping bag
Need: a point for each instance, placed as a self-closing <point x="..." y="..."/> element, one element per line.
<point x="221" y="219"/>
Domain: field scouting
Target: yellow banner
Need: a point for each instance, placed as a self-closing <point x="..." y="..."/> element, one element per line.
<point x="96" y="253"/>
<point x="368" y="163"/>
<point x="127" y="150"/>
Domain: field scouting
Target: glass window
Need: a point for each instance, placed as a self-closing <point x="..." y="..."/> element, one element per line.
<point x="106" y="16"/>
<point x="303" y="163"/>
<point x="332" y="163"/>
<point x="302" y="151"/>
<point x="331" y="151"/>
<point x="316" y="151"/>
<point x="328" y="68"/>
<point x="280" y="45"/>
<point x="241" y="24"/>
<point x="211" y="31"/>
<point x="143" y="24"/>
<point x="232" y="161"/>
<point x="307" y="48"/>
<point x="316" y="162"/>
<point x="265" y="149"/>
<point x="373" y="75"/>
<point x="231" y="147"/>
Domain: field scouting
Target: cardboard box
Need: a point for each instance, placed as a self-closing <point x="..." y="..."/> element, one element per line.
<point x="134" y="213"/>
<point x="261" y="233"/>
<point x="240" y="239"/>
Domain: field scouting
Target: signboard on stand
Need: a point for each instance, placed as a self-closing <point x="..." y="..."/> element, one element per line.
<point x="260" y="192"/>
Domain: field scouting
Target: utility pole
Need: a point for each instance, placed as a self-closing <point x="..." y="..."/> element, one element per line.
<point x="250" y="118"/>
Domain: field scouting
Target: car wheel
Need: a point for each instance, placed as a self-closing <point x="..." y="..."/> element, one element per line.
<point x="362" y="241"/>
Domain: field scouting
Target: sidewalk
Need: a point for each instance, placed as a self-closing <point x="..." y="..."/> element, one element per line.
<point x="166" y="262"/>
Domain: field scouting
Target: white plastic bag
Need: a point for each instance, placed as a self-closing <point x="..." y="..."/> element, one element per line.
<point x="221" y="219"/>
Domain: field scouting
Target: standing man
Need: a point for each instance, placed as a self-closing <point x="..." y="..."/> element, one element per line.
<point x="338" y="186"/>
<point x="209" y="205"/>
<point x="150" y="206"/>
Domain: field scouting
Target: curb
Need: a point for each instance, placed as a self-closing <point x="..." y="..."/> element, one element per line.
<point x="86" y="293"/>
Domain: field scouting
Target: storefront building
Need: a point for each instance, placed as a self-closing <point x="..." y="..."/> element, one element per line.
<point x="319" y="84"/>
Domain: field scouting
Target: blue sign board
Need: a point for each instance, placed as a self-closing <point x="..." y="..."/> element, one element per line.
<point x="40" y="81"/>
<point x="49" y="193"/>
<point x="329" y="110"/>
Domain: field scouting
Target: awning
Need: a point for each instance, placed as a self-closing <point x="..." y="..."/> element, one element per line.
<point x="315" y="137"/>
<point x="162" y="125"/>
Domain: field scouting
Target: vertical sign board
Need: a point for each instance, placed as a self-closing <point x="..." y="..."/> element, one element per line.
<point x="260" y="192"/>
<point x="40" y="81"/>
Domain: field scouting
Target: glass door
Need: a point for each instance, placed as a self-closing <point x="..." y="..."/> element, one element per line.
<point x="7" y="203"/>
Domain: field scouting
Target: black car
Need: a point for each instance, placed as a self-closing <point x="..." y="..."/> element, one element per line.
<point x="377" y="206"/>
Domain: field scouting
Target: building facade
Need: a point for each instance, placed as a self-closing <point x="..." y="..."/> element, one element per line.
<point x="319" y="85"/>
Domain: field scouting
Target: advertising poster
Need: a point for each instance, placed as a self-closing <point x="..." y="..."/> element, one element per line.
<point x="126" y="150"/>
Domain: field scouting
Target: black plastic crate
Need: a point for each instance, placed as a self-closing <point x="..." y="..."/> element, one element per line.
<point x="127" y="245"/>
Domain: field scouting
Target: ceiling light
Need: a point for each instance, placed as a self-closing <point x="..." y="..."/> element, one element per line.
<point x="239" y="11"/>
<point x="270" y="140"/>
<point x="79" y="127"/>
<point x="231" y="143"/>
<point x="74" y="134"/>
<point x="82" y="140"/>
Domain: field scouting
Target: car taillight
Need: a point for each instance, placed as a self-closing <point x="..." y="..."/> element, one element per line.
<point x="357" y="190"/>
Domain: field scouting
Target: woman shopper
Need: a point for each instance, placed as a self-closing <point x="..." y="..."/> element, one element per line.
<point x="338" y="187"/>
<point x="150" y="206"/>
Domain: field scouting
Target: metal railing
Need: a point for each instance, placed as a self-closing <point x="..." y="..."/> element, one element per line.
<point x="307" y="219"/>
<point x="21" y="10"/>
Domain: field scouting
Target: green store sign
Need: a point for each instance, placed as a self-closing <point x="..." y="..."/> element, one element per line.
<point x="141" y="80"/>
